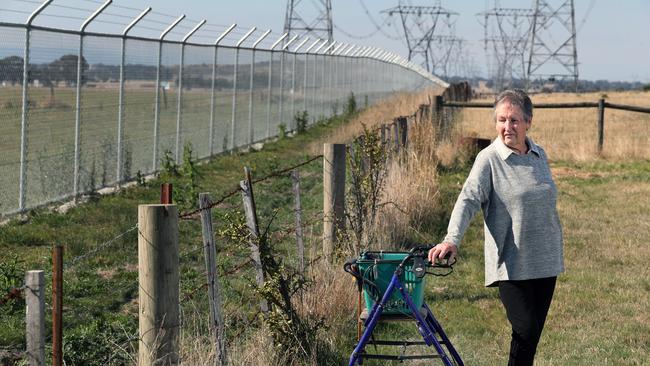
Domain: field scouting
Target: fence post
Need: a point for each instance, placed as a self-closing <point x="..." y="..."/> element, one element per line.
<point x="179" y="93"/>
<point x="156" y="112"/>
<point x="251" y="130"/>
<point x="214" y="293"/>
<point x="233" y="114"/>
<point x="395" y="128"/>
<point x="601" y="124"/>
<point x="120" y="103"/>
<point x="35" y="317"/>
<point x="158" y="276"/>
<point x="23" y="114"/>
<point x="333" y="195"/>
<point x="77" y="124"/>
<point x="57" y="305"/>
<point x="270" y="93"/>
<point x="295" y="179"/>
<point x="166" y="193"/>
<point x="402" y="124"/>
<point x="293" y="90"/>
<point x="253" y="226"/>
<point x="280" y="107"/>
<point x="212" y="84"/>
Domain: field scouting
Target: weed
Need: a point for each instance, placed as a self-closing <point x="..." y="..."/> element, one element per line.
<point x="282" y="130"/>
<point x="351" y="105"/>
<point x="301" y="118"/>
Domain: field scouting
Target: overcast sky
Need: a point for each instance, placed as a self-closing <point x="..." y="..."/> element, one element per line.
<point x="613" y="38"/>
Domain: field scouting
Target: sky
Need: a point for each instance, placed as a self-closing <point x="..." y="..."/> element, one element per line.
<point x="613" y="42"/>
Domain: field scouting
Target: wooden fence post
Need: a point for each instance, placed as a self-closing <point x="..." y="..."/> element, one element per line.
<point x="214" y="293"/>
<point x="158" y="276"/>
<point x="437" y="117"/>
<point x="382" y="133"/>
<point x="333" y="196"/>
<point x="396" y="134"/>
<point x="402" y="123"/>
<point x="57" y="306"/>
<point x="253" y="226"/>
<point x="295" y="179"/>
<point x="35" y="317"/>
<point x="601" y="124"/>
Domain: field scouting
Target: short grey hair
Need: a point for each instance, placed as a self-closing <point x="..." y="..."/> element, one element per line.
<point x="516" y="97"/>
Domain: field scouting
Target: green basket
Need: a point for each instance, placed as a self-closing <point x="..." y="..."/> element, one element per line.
<point x="378" y="267"/>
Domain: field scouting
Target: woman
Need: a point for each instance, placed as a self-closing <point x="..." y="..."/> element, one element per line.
<point x="511" y="182"/>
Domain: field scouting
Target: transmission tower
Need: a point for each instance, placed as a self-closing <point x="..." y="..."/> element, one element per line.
<point x="313" y="18"/>
<point x="506" y="37"/>
<point x="429" y="35"/>
<point x="553" y="54"/>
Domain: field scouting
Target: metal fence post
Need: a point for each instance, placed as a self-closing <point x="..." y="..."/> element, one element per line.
<point x="315" y="72"/>
<point x="293" y="80"/>
<point x="214" y="77"/>
<point x="327" y="63"/>
<point x="284" y="49"/>
<point x="234" y="89"/>
<point x="156" y="114"/>
<point x="305" y="73"/>
<point x="268" y="107"/>
<point x="179" y="93"/>
<point x="23" y="117"/>
<point x="57" y="305"/>
<point x="251" y="132"/>
<point x="77" y="124"/>
<point x="120" y="103"/>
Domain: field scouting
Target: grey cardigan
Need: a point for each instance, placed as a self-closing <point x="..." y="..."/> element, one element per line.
<point x="523" y="236"/>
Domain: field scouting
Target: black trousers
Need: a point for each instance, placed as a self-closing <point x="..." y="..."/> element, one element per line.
<point x="526" y="304"/>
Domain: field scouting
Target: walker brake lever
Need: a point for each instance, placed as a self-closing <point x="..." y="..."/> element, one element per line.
<point x="419" y="267"/>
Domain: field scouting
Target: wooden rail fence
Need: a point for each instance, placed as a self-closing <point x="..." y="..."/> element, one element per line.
<point x="440" y="103"/>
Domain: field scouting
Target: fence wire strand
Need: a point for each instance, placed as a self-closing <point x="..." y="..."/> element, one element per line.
<point x="191" y="215"/>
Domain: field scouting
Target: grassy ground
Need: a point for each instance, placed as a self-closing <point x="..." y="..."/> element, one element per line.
<point x="599" y="314"/>
<point x="100" y="291"/>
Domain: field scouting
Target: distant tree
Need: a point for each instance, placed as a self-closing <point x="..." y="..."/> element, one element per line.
<point x="11" y="69"/>
<point x="65" y="69"/>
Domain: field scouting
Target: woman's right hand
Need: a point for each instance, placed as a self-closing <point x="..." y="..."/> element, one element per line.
<point x="440" y="251"/>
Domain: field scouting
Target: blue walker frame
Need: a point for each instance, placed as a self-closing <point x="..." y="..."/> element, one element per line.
<point x="427" y="325"/>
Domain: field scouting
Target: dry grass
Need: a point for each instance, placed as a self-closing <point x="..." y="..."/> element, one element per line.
<point x="599" y="314"/>
<point x="401" y="104"/>
<point x="411" y="189"/>
<point x="572" y="134"/>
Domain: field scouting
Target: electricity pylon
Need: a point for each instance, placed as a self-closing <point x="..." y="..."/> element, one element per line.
<point x="429" y="34"/>
<point x="553" y="52"/>
<point x="313" y="18"/>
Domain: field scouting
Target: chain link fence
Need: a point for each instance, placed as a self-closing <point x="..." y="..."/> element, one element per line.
<point x="83" y="110"/>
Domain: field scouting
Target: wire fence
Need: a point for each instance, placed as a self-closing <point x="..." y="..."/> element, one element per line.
<point x="85" y="110"/>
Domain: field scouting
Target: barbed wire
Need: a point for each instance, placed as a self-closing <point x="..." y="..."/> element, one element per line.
<point x="191" y="214"/>
<point x="98" y="248"/>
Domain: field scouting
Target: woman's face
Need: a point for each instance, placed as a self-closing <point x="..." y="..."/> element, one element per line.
<point x="511" y="126"/>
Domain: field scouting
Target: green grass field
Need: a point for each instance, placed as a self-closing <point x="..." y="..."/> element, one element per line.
<point x="51" y="133"/>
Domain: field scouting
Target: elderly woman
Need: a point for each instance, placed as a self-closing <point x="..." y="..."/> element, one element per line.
<point x="511" y="182"/>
